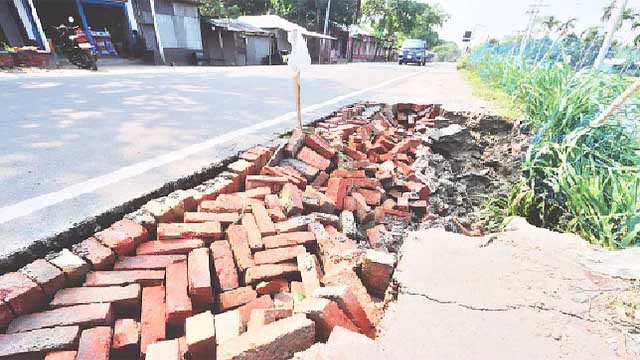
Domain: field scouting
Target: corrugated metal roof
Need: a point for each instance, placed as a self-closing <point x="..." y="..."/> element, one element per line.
<point x="276" y="22"/>
<point x="235" y="25"/>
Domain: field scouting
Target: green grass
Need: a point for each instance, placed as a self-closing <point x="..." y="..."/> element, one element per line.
<point x="505" y="107"/>
<point x="590" y="186"/>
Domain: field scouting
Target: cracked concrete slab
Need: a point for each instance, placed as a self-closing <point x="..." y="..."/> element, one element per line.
<point x="524" y="293"/>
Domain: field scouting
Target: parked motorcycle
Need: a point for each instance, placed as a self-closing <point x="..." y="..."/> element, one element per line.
<point x="76" y="47"/>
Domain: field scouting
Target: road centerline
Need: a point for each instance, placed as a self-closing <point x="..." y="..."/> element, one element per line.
<point x="34" y="204"/>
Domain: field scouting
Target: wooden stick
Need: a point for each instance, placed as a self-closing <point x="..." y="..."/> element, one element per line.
<point x="296" y="92"/>
<point x="572" y="139"/>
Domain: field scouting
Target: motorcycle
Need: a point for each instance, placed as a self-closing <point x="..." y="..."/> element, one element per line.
<point x="76" y="47"/>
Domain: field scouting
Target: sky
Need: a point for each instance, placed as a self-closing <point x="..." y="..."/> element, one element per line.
<point x="497" y="18"/>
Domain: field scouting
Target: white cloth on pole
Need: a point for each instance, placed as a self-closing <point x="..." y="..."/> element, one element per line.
<point x="299" y="59"/>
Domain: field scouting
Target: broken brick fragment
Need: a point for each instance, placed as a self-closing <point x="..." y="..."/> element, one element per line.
<point x="314" y="159"/>
<point x="225" y="268"/>
<point x="295" y="143"/>
<point x="261" y="302"/>
<point x="320" y="146"/>
<point x="272" y="286"/>
<point x="309" y="272"/>
<point x="48" y="277"/>
<point x="349" y="304"/>
<point x="123" y="236"/>
<point x="291" y="200"/>
<point x="376" y="271"/>
<point x="239" y="241"/>
<point x="336" y="191"/>
<point x="326" y="314"/>
<point x="22" y="294"/>
<point x="93" y="251"/>
<point x="95" y="344"/>
<point x="126" y="336"/>
<point x="200" y="334"/>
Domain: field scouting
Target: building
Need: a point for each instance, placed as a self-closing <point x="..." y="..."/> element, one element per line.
<point x="319" y="44"/>
<point x="232" y="42"/>
<point x="170" y="28"/>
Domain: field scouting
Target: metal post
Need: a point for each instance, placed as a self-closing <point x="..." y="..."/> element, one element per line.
<point x="613" y="24"/>
<point x="155" y="27"/>
<point x="85" y="24"/>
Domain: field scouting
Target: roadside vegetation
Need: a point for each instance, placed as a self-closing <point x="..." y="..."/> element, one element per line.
<point x="577" y="176"/>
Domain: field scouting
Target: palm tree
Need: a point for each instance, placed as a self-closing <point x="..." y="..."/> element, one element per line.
<point x="550" y="23"/>
<point x="562" y="30"/>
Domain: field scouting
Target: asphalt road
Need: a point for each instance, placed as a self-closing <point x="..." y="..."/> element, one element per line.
<point x="75" y="144"/>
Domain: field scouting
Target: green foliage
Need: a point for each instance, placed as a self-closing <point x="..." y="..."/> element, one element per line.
<point x="311" y="13"/>
<point x="591" y="185"/>
<point x="404" y="19"/>
<point x="447" y="51"/>
<point x="5" y="47"/>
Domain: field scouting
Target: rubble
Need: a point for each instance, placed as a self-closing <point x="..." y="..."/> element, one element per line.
<point x="291" y="245"/>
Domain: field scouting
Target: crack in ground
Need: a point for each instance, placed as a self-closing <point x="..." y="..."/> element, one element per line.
<point x="495" y="309"/>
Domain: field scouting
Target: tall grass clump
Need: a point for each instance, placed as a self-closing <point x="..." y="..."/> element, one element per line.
<point x="588" y="184"/>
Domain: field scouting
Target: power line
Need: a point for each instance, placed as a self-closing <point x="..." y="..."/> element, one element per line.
<point x="534" y="10"/>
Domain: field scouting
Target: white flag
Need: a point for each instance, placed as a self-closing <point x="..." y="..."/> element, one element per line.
<point x="299" y="58"/>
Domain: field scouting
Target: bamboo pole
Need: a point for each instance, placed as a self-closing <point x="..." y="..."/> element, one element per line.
<point x="615" y="105"/>
<point x="296" y="93"/>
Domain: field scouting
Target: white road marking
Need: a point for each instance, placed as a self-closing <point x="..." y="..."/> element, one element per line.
<point x="29" y="206"/>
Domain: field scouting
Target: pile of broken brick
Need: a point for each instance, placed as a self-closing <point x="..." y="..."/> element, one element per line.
<point x="283" y="250"/>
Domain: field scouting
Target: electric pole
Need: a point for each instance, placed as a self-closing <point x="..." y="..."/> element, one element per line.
<point x="326" y="18"/>
<point x="534" y="10"/>
<point x="616" y="17"/>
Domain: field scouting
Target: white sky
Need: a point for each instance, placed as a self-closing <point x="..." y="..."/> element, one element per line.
<point x="496" y="18"/>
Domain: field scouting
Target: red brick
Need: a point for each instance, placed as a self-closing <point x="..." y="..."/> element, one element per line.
<point x="349" y="203"/>
<point x="309" y="172"/>
<point x="272" y="286"/>
<point x="326" y="314"/>
<point x="47" y="276"/>
<point x="81" y="315"/>
<point x="354" y="154"/>
<point x="283" y="300"/>
<point x="147" y="262"/>
<point x="167" y="247"/>
<point x="389" y="204"/>
<point x="291" y="200"/>
<point x="61" y="355"/>
<point x="295" y="143"/>
<point x="174" y="231"/>
<point x="238" y="239"/>
<point x="320" y="180"/>
<point x="263" y="220"/>
<point x="242" y="168"/>
<point x="227" y="204"/>
<point x="199" y="273"/>
<point x="99" y="256"/>
<point x="73" y="267"/>
<point x="222" y="218"/>
<point x="6" y="315"/>
<point x="370" y="183"/>
<point x="343" y="276"/>
<point x="336" y="191"/>
<point x="123" y="297"/>
<point x="258" y="193"/>
<point x="95" y="344"/>
<point x="422" y="190"/>
<point x="276" y="341"/>
<point x="225" y="269"/>
<point x="120" y="278"/>
<point x="126" y="335"/>
<point x="314" y="159"/>
<point x="123" y="236"/>
<point x="374" y="234"/>
<point x="277" y="214"/>
<point x="274" y="256"/>
<point x="269" y="271"/>
<point x="381" y="214"/>
<point x="403" y="203"/>
<point x="292" y="175"/>
<point x="252" y="157"/>
<point x="32" y="344"/>
<point x="298" y="223"/>
<point x="178" y="302"/>
<point x="254" y="237"/>
<point x="164" y="350"/>
<point x="200" y="334"/>
<point x="275" y="183"/>
<point x="152" y="317"/>
<point x="376" y="271"/>
<point x="372" y="197"/>
<point x="309" y="272"/>
<point x="235" y="185"/>
<point x="234" y="298"/>
<point x="288" y="239"/>
<point x="261" y="317"/>
<point x="349" y="304"/>
<point x="20" y="293"/>
<point x="262" y="302"/>
<point x="320" y="146"/>
<point x="348" y="173"/>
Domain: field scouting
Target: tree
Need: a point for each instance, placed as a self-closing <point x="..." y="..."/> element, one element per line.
<point x="404" y="19"/>
<point x="550" y="23"/>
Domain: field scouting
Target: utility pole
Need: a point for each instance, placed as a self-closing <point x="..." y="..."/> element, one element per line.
<point x="326" y="28"/>
<point x="613" y="25"/>
<point x="534" y="10"/>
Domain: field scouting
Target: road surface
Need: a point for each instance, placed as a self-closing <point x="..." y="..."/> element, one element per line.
<point x="76" y="144"/>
